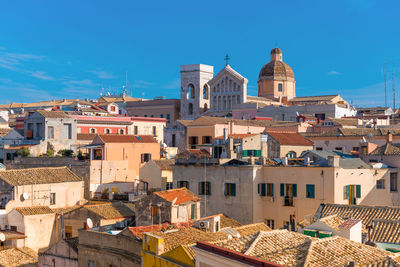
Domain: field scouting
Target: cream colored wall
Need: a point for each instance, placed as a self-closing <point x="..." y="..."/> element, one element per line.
<point x="298" y="149"/>
<point x="67" y="194"/>
<point x="252" y="142"/>
<point x="39" y="229"/>
<point x="110" y="171"/>
<point x="151" y="174"/>
<point x="146" y="128"/>
<point x="269" y="88"/>
<point x="166" y="177"/>
<point x="207" y="259"/>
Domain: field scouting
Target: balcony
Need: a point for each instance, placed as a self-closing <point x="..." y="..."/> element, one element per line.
<point x="288" y="201"/>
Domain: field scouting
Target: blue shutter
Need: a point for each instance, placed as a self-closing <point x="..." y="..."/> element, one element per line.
<point x="347" y="191"/>
<point x="244" y="153"/>
<point x="358" y="191"/>
<point x="258" y="153"/>
<point x="294" y="190"/>
<point x="233" y="189"/>
<point x="282" y="190"/>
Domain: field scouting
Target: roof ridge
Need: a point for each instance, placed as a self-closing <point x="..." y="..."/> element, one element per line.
<point x="259" y="235"/>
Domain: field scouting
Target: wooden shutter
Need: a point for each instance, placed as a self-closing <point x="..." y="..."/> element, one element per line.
<point x="358" y="191"/>
<point x="294" y="190"/>
<point x="233" y="189"/>
<point x="272" y="189"/>
<point x="282" y="190"/>
<point x="263" y="189"/>
<point x="258" y="153"/>
<point x="208" y="188"/>
<point x="201" y="189"/>
<point x="245" y="153"/>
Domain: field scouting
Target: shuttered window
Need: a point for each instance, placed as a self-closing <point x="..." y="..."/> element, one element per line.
<point x="358" y="191"/>
<point x="230" y="189"/>
<point x="310" y="191"/>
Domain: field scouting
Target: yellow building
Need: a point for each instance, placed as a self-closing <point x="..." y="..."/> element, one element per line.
<point x="157" y="174"/>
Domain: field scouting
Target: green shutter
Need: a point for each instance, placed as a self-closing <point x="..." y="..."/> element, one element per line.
<point x="258" y="153"/>
<point x="244" y="153"/>
<point x="233" y="189"/>
<point x="282" y="190"/>
<point x="272" y="189"/>
<point x="347" y="191"/>
<point x="358" y="191"/>
<point x="310" y="188"/>
<point x="193" y="209"/>
<point x="294" y="190"/>
<point x="208" y="188"/>
<point x="263" y="189"/>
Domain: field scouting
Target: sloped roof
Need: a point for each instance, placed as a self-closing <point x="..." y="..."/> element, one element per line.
<point x="252" y="228"/>
<point x="388" y="149"/>
<point x="17" y="257"/>
<point x="4" y="131"/>
<point x="295" y="249"/>
<point x="45" y="175"/>
<point x="386" y="231"/>
<point x="56" y="114"/>
<point x="237" y="136"/>
<point x="290" y="138"/>
<point x="193" y="153"/>
<point x="313" y="98"/>
<point x="124" y="138"/>
<point x="360" y="212"/>
<point x="85" y="136"/>
<point x="210" y="121"/>
<point x="165" y="164"/>
<point x="26" y="211"/>
<point x="73" y="242"/>
<point x="112" y="210"/>
<point x="182" y="195"/>
<point x="333" y="221"/>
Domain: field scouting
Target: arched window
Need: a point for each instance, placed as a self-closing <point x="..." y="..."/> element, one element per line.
<point x="92" y="130"/>
<point x="107" y="131"/>
<point x="291" y="154"/>
<point x="190" y="108"/>
<point x="205" y="107"/>
<point x="205" y="92"/>
<point x="121" y="131"/>
<point x="191" y="90"/>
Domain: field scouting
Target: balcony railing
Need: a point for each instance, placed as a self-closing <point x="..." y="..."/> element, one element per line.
<point x="288" y="201"/>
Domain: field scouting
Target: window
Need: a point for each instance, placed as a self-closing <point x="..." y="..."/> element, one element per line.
<point x="191" y="91"/>
<point x="169" y="185"/>
<point x="254" y="153"/>
<point x="280" y="87"/>
<point x="90" y="263"/>
<point x="168" y="118"/>
<point x="193" y="141"/>
<point x="204" y="188"/>
<point x="338" y="148"/>
<point x="266" y="189"/>
<point x="68" y="129"/>
<point x="271" y="223"/>
<point x="161" y="115"/>
<point x="183" y="184"/>
<point x="68" y="231"/>
<point x="52" y="198"/>
<point x="291" y="154"/>
<point x="288" y="191"/>
<point x="121" y="131"/>
<point x="380" y="184"/>
<point x="393" y="182"/>
<point x="50" y="132"/>
<point x="207" y="140"/>
<point x="310" y="191"/>
<point x="205" y="92"/>
<point x="230" y="189"/>
<point x="135" y="130"/>
<point x="112" y="108"/>
<point x="352" y="192"/>
<point x="356" y="148"/>
<point x="92" y="130"/>
<point x="318" y="148"/>
<point x="190" y="109"/>
<point x="107" y="131"/>
<point x="154" y="131"/>
<point x="146" y="157"/>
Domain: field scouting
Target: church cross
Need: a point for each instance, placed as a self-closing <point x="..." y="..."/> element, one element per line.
<point x="227" y="58"/>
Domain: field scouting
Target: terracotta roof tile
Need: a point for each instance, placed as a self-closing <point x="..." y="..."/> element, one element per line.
<point x="124" y="138"/>
<point x="112" y="210"/>
<point x="85" y="136"/>
<point x="165" y="164"/>
<point x="193" y="153"/>
<point x="182" y="195"/>
<point x="236" y="136"/>
<point x="53" y="114"/>
<point x="26" y="211"/>
<point x="45" y="175"/>
<point x="17" y="257"/>
<point x="333" y="221"/>
<point x="387" y="150"/>
<point x="290" y="138"/>
<point x="386" y="231"/>
<point x="4" y="131"/>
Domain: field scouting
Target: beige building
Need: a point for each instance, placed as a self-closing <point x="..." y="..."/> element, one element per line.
<point x="63" y="253"/>
<point x="157" y="174"/>
<point x="276" y="79"/>
<point x="287" y="144"/>
<point x="272" y="192"/>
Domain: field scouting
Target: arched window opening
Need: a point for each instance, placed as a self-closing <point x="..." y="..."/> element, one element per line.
<point x="191" y="91"/>
<point x="107" y="131"/>
<point x="205" y="92"/>
<point x="121" y="131"/>
<point x="291" y="154"/>
<point x="190" y="109"/>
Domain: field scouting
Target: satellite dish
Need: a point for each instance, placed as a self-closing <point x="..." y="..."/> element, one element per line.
<point x="173" y="201"/>
<point x="25" y="196"/>
<point x="89" y="223"/>
<point x="2" y="237"/>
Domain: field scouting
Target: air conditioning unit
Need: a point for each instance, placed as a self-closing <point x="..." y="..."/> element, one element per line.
<point x="204" y="224"/>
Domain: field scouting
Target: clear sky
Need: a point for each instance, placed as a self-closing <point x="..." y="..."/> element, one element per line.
<point x="71" y="49"/>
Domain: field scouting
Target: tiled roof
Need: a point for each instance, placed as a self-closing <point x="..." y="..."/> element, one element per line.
<point x="66" y="209"/>
<point x="193" y="153"/>
<point x="112" y="210"/>
<point x="85" y="136"/>
<point x="26" y="211"/>
<point x="73" y="242"/>
<point x="313" y="98"/>
<point x="12" y="234"/>
<point x="236" y="136"/>
<point x="226" y="221"/>
<point x="333" y="221"/>
<point x="4" y="131"/>
<point x="17" y="257"/>
<point x="53" y="114"/>
<point x="364" y="213"/>
<point x="294" y="249"/>
<point x="388" y="149"/>
<point x="252" y="228"/>
<point x="347" y="224"/>
<point x="44" y="175"/>
<point x="182" y="195"/>
<point x="124" y="138"/>
<point x="165" y="164"/>
<point x="290" y="139"/>
<point x="140" y="230"/>
<point x="386" y="231"/>
<point x="118" y="99"/>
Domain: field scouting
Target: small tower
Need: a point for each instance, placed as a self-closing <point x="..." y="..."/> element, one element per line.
<point x="276" y="79"/>
<point x="195" y="92"/>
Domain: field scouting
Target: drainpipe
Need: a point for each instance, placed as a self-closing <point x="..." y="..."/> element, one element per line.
<point x="322" y="186"/>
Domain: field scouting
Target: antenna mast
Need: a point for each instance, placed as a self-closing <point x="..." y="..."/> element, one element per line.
<point x="394" y="92"/>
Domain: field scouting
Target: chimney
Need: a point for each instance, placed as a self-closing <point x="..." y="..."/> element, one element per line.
<point x="252" y="160"/>
<point x="333" y="161"/>
<point x="389" y="137"/>
<point x="262" y="160"/>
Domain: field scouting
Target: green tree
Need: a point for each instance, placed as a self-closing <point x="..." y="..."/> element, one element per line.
<point x="24" y="152"/>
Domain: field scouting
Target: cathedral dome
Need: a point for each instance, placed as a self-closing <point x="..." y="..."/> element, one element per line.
<point x="276" y="69"/>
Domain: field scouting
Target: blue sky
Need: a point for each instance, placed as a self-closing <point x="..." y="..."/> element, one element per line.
<point x="71" y="49"/>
